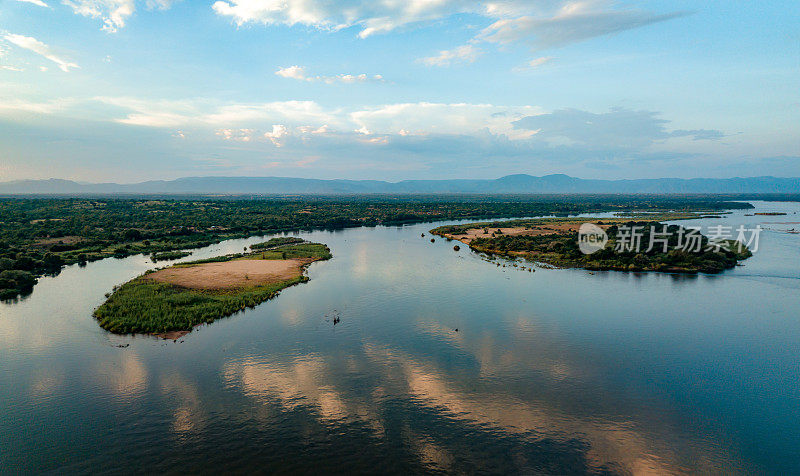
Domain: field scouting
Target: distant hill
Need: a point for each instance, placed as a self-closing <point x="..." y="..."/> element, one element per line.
<point x="510" y="184"/>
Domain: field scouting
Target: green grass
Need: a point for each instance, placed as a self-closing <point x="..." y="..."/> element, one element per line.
<point x="281" y="240"/>
<point x="142" y="306"/>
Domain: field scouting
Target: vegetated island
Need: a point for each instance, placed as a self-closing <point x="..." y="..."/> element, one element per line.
<point x="554" y="241"/>
<point x="171" y="301"/>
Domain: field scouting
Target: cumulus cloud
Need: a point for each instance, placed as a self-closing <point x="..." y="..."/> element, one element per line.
<point x="463" y="54"/>
<point x="440" y="118"/>
<point x="299" y="73"/>
<point x="279" y="131"/>
<point x="416" y="135"/>
<point x="619" y="129"/>
<point x="113" y="13"/>
<point x="293" y="72"/>
<point x="310" y="118"/>
<point x="32" y="44"/>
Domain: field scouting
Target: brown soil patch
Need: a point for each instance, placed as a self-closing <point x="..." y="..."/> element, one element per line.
<point x="42" y="220"/>
<point x="172" y="335"/>
<point x="67" y="240"/>
<point x="543" y="229"/>
<point x="231" y="274"/>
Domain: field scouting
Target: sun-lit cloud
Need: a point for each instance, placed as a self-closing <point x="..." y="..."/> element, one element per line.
<point x="35" y="2"/>
<point x="396" y="138"/>
<point x="113" y="13"/>
<point x="581" y="21"/>
<point x="278" y="132"/>
<point x="536" y="62"/>
<point x="539" y="23"/>
<point x="276" y="122"/>
<point x="618" y="129"/>
<point x="32" y="44"/>
<point x="462" y="54"/>
<point x="292" y="72"/>
<point x="299" y="73"/>
<point x="372" y="17"/>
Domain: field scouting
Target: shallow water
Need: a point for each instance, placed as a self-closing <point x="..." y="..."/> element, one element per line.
<point x="557" y="371"/>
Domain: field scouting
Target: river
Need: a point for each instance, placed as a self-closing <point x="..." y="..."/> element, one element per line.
<point x="440" y="362"/>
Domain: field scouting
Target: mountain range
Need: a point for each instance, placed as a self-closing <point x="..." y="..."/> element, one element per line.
<point x="510" y="184"/>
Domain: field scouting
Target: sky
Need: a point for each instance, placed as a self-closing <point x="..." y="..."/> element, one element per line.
<point x="131" y="90"/>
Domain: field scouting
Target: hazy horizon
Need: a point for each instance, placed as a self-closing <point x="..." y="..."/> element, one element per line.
<point x="337" y="178"/>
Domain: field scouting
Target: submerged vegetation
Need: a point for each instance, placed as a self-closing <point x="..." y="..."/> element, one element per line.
<point x="38" y="236"/>
<point x="147" y="306"/>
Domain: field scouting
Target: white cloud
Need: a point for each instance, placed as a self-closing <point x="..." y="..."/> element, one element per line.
<point x="46" y="107"/>
<point x="200" y="113"/>
<point x="418" y="128"/>
<point x="11" y="68"/>
<point x="32" y="44"/>
<point x="113" y="13"/>
<point x="463" y="54"/>
<point x="535" y="63"/>
<point x="541" y="24"/>
<point x="293" y="72"/>
<point x="35" y="2"/>
<point x="238" y="135"/>
<point x="299" y="73"/>
<point x="618" y="129"/>
<point x="310" y="118"/>
<point x="544" y="22"/>
<point x="372" y="16"/>
<point x="292" y="112"/>
<point x="159" y="4"/>
<point x="440" y="118"/>
<point x="572" y="23"/>
<point x="279" y="131"/>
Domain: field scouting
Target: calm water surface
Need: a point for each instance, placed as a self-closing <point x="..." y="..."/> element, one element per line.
<point x="557" y="371"/>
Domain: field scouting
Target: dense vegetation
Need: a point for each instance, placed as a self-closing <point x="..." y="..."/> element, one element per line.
<point x="145" y="306"/>
<point x="169" y="255"/>
<point x="39" y="236"/>
<point x="562" y="250"/>
<point x="278" y="241"/>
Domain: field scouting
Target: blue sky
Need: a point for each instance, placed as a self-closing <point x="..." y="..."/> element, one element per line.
<point x="129" y="90"/>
